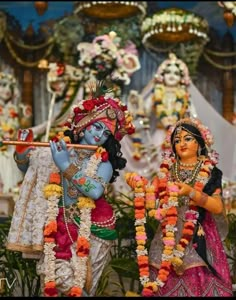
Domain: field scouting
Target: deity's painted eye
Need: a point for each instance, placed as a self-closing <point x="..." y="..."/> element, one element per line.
<point x="189" y="138"/>
<point x="97" y="126"/>
<point x="176" y="141"/>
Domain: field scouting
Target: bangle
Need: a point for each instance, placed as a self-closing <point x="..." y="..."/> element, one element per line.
<point x="192" y="194"/>
<point x="20" y="161"/>
<point x="100" y="180"/>
<point x="70" y="171"/>
<point x="203" y="199"/>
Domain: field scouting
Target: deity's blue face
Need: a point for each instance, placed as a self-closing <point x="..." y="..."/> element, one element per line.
<point x="96" y="134"/>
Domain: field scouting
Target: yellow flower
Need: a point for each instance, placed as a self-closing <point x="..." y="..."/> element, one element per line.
<point x="140" y="228"/>
<point x="131" y="294"/>
<point x="85" y="202"/>
<point x="152" y="213"/>
<point x="100" y="150"/>
<point x="176" y="261"/>
<point x="51" y="190"/>
<point x="150" y="189"/>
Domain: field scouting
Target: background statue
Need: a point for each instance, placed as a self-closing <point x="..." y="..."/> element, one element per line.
<point x="13" y="115"/>
<point x="171" y="97"/>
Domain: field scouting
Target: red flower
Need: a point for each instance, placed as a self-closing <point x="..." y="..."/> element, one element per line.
<point x="50" y="289"/>
<point x="147" y="292"/>
<point x="83" y="247"/>
<point x="67" y="124"/>
<point x="105" y="156"/>
<point x="75" y="292"/>
<point x="131" y="130"/>
<point x="118" y="136"/>
<point x="60" y="69"/>
<point x="124" y="107"/>
<point x="55" y="178"/>
<point x="13" y="114"/>
<point x="77" y="110"/>
<point x="88" y="105"/>
<point x="55" y="139"/>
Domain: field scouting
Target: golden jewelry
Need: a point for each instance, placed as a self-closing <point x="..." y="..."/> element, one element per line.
<point x="203" y="199"/>
<point x="20" y="161"/>
<point x="70" y="171"/>
<point x="192" y="194"/>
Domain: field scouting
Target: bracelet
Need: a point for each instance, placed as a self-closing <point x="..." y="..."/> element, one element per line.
<point x="70" y="171"/>
<point x="100" y="180"/>
<point x="20" y="161"/>
<point x="203" y="199"/>
<point x="192" y="194"/>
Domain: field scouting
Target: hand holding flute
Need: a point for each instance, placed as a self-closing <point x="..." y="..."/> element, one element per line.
<point x="25" y="144"/>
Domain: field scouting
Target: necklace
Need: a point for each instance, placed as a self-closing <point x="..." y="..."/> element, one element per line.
<point x="186" y="164"/>
<point x="186" y="176"/>
<point x="80" y="157"/>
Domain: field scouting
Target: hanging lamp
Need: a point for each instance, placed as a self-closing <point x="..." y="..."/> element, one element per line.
<point x="110" y="9"/>
<point x="41" y="7"/>
<point x="229" y="11"/>
<point x="174" y="25"/>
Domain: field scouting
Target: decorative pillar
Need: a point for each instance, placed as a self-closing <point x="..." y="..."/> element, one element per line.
<point x="227" y="84"/>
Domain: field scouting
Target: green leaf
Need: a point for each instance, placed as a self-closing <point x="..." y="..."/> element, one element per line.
<point x="125" y="267"/>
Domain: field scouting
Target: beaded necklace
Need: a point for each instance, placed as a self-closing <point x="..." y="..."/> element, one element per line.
<point x="188" y="180"/>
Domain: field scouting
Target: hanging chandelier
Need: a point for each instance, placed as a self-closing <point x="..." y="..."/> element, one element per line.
<point x="110" y="9"/>
<point x="174" y="25"/>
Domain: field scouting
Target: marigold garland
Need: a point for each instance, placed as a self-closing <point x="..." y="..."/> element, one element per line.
<point x="53" y="191"/>
<point x="166" y="213"/>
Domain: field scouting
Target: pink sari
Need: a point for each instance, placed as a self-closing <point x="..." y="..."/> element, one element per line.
<point x="198" y="280"/>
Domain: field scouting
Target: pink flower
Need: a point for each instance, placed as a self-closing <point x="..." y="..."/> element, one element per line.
<point x="158" y="214"/>
<point x="173" y="188"/>
<point x="169" y="242"/>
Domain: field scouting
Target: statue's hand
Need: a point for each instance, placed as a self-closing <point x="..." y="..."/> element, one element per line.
<point x="135" y="181"/>
<point x="60" y="154"/>
<point x="24" y="135"/>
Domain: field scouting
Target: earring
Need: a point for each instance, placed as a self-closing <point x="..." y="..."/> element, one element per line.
<point x="199" y="150"/>
<point x="75" y="137"/>
<point x="81" y="134"/>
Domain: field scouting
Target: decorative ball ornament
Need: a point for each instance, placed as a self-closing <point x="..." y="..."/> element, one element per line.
<point x="41" y="7"/>
<point x="110" y="9"/>
<point x="229" y="18"/>
<point x="229" y="11"/>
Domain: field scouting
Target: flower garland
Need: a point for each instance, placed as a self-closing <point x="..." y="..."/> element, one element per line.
<point x="172" y="256"/>
<point x="53" y="191"/>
